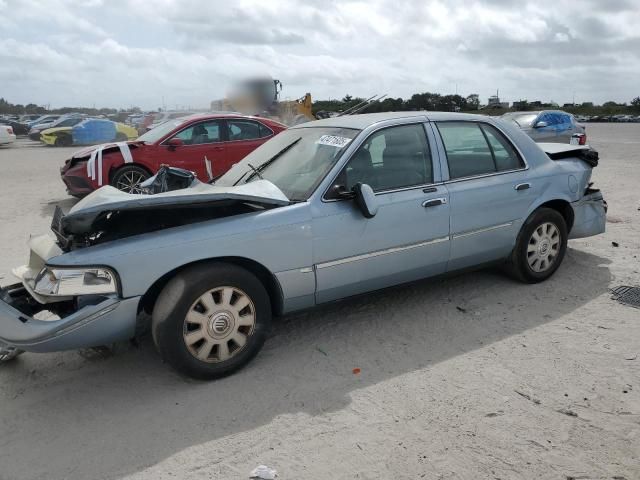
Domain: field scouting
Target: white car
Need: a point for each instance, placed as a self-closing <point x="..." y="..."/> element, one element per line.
<point x="6" y="135"/>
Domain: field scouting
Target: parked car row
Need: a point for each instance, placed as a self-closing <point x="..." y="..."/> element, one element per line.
<point x="318" y="212"/>
<point x="608" y="118"/>
<point x="71" y="129"/>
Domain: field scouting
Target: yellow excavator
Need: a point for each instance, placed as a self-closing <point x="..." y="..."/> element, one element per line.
<point x="261" y="97"/>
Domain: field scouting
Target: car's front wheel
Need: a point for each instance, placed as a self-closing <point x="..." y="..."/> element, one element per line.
<point x="210" y="320"/>
<point x="128" y="178"/>
<point x="540" y="247"/>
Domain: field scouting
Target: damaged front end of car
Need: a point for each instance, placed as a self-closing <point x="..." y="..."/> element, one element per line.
<point x="58" y="306"/>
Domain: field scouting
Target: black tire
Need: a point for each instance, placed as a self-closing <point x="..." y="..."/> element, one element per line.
<point x="63" y="141"/>
<point x="182" y="295"/>
<point x="519" y="263"/>
<point x="125" y="178"/>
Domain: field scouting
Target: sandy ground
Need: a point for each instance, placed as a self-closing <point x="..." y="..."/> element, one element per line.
<point x="519" y="382"/>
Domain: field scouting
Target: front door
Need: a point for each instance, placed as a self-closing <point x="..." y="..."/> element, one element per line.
<point x="407" y="239"/>
<point x="490" y="192"/>
<point x="201" y="140"/>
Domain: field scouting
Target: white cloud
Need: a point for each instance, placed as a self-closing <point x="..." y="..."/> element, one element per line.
<point x="120" y="53"/>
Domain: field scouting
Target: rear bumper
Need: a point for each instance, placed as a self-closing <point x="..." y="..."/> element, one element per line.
<point x="97" y="321"/>
<point x="590" y="215"/>
<point x="8" y="139"/>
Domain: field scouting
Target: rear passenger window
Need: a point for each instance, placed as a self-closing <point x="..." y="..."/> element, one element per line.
<point x="476" y="149"/>
<point x="264" y="131"/>
<point x="505" y="155"/>
<point x="392" y="158"/>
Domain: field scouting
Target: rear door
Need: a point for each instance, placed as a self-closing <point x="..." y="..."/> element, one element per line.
<point x="489" y="189"/>
<point x="244" y="137"/>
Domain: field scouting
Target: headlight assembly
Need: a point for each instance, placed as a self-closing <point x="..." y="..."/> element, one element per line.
<point x="65" y="282"/>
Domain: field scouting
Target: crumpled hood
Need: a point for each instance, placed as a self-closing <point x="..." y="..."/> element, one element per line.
<point x="110" y="198"/>
<point x="107" y="201"/>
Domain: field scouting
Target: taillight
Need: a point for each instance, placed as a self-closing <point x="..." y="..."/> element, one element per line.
<point x="10" y="130"/>
<point x="578" y="139"/>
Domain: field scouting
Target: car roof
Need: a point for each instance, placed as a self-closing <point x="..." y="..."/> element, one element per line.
<point x="363" y="120"/>
<point x="214" y="115"/>
<point x="536" y="112"/>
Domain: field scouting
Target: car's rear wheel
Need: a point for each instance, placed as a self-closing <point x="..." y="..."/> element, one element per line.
<point x="211" y="320"/>
<point x="128" y="178"/>
<point x="540" y="247"/>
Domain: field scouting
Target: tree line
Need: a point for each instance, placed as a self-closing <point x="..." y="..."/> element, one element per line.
<point x="418" y="101"/>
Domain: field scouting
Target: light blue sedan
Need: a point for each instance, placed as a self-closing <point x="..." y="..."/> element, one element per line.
<point x="324" y="211"/>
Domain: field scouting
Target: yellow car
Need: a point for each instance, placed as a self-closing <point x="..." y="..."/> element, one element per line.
<point x="89" y="132"/>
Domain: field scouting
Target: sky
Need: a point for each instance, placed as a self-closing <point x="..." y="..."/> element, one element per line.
<point x="118" y="53"/>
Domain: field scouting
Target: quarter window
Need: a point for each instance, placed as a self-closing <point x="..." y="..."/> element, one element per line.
<point x="392" y="158"/>
<point x="476" y="149"/>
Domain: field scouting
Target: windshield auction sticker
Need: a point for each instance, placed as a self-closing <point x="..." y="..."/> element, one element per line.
<point x="333" y="141"/>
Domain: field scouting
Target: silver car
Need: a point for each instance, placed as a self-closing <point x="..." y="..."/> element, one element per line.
<point x="553" y="126"/>
<point x="324" y="211"/>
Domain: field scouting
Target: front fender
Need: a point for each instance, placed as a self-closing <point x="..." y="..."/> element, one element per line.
<point x="279" y="239"/>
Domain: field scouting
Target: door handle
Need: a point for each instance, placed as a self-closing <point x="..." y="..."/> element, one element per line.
<point x="434" y="202"/>
<point x="522" y="186"/>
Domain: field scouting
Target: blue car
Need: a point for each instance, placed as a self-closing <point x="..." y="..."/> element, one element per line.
<point x="323" y="211"/>
<point x="551" y="126"/>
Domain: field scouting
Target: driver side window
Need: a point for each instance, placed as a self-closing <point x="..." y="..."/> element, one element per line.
<point x="200" y="133"/>
<point x="394" y="157"/>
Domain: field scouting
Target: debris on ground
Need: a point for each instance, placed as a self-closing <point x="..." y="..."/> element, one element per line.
<point x="263" y="472"/>
<point x="631" y="356"/>
<point x="528" y="397"/>
<point x="567" y="412"/>
<point x="615" y="244"/>
<point x="322" y="351"/>
<point x="356" y="371"/>
<point x="460" y="309"/>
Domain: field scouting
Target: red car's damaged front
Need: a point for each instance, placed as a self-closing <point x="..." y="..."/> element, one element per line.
<point x="205" y="144"/>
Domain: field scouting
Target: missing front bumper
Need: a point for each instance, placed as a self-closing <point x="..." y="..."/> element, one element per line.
<point x="86" y="322"/>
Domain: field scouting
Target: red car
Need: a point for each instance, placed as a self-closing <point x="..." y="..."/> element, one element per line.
<point x="222" y="139"/>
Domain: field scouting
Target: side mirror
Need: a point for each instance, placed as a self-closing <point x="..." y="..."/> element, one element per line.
<point x="365" y="199"/>
<point x="541" y="124"/>
<point x="174" y="143"/>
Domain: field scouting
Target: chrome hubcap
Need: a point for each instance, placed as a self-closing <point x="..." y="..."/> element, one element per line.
<point x="218" y="324"/>
<point x="130" y="182"/>
<point x="543" y="247"/>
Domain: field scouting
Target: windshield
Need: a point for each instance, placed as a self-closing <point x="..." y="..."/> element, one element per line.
<point x="521" y="119"/>
<point x="295" y="160"/>
<point x="160" y="131"/>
